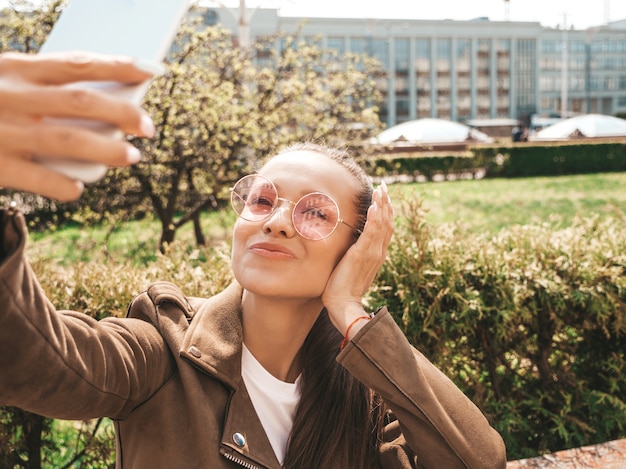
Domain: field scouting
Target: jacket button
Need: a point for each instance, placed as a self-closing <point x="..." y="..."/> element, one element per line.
<point x="195" y="351"/>
<point x="239" y="439"/>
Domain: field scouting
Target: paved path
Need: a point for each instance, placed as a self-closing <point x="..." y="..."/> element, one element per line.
<point x="610" y="455"/>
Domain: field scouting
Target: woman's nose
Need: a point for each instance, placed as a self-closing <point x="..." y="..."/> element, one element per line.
<point x="280" y="220"/>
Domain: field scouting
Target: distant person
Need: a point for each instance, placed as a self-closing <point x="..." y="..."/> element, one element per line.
<point x="283" y="369"/>
<point x="517" y="133"/>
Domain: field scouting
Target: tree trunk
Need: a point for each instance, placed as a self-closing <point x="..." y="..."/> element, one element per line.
<point x="197" y="229"/>
<point x="167" y="238"/>
<point x="33" y="430"/>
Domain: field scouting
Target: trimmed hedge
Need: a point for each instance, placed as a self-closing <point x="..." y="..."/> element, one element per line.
<point x="505" y="161"/>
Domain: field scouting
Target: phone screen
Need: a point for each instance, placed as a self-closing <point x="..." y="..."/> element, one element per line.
<point x="139" y="28"/>
<point x="142" y="29"/>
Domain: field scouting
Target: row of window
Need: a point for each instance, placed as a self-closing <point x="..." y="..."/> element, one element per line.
<point x="576" y="46"/>
<point x="578" y="83"/>
<point x="443" y="49"/>
<point x="443" y="52"/>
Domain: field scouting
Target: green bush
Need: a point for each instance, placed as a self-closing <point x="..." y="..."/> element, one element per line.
<point x="530" y="324"/>
<point x="426" y="166"/>
<point x="556" y="159"/>
<point x="521" y="160"/>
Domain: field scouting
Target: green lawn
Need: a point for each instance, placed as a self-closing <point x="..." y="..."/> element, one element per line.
<point x="492" y="204"/>
<point x="486" y="205"/>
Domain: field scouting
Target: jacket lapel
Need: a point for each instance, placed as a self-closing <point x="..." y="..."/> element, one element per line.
<point x="213" y="344"/>
<point x="213" y="340"/>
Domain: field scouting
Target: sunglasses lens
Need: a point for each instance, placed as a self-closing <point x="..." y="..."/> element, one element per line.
<point x="253" y="198"/>
<point x="316" y="216"/>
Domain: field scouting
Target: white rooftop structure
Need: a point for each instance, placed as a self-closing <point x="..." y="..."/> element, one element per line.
<point x="584" y="126"/>
<point x="431" y="131"/>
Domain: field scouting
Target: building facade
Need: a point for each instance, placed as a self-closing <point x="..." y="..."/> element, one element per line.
<point x="469" y="70"/>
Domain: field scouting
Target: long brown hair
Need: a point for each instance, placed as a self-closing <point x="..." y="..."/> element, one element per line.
<point x="339" y="420"/>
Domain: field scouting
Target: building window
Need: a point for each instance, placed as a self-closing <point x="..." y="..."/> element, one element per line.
<point x="358" y="45"/>
<point x="402" y="107"/>
<point x="402" y="85"/>
<point x="337" y="43"/>
<point x="577" y="83"/>
<point x="577" y="47"/>
<point x="596" y="83"/>
<point x="609" y="84"/>
<point x="402" y="55"/>
<point x="379" y="48"/>
<point x="550" y="47"/>
<point x="422" y="55"/>
<point x="546" y="83"/>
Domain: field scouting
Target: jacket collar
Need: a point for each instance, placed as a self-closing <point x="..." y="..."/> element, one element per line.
<point x="213" y="340"/>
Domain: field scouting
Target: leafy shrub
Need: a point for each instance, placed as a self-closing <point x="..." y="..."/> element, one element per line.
<point x="559" y="159"/>
<point x="531" y="323"/>
<point x="522" y="160"/>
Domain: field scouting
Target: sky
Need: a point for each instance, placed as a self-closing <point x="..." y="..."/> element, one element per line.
<point x="579" y="14"/>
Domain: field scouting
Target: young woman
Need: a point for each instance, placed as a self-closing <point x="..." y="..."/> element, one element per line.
<point x="284" y="368"/>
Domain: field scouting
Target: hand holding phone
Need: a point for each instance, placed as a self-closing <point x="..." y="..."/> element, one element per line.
<point x="143" y="29"/>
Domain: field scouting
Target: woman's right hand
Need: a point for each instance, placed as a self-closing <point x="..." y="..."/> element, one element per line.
<point x="31" y="90"/>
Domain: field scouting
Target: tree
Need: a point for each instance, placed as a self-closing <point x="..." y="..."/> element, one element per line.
<point x="218" y="111"/>
<point x="25" y="24"/>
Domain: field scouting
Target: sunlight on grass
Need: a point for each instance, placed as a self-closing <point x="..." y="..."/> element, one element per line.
<point x="492" y="204"/>
<point x="486" y="206"/>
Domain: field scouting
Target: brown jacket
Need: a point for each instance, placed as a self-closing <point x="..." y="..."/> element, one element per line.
<point x="169" y="376"/>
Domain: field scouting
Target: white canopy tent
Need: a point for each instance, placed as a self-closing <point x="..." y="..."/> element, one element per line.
<point x="430" y="131"/>
<point x="585" y="126"/>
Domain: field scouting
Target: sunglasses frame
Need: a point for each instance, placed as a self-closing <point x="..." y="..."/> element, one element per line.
<point x="275" y="206"/>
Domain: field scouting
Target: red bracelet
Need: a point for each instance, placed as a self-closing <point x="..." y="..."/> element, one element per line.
<point x="345" y="339"/>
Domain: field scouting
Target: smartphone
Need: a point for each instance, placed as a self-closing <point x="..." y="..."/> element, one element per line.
<point x="143" y="29"/>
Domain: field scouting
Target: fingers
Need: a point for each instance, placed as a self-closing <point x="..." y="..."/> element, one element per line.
<point x="87" y="104"/>
<point x="30" y="85"/>
<point x="24" y="99"/>
<point x="69" y="67"/>
<point x="356" y="271"/>
<point x="64" y="141"/>
<point x="37" y="179"/>
<point x="44" y="113"/>
<point x="378" y="228"/>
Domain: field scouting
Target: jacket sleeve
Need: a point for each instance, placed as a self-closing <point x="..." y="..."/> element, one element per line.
<point x="67" y="364"/>
<point x="440" y="425"/>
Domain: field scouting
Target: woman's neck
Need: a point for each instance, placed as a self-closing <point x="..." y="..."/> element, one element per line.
<point x="275" y="329"/>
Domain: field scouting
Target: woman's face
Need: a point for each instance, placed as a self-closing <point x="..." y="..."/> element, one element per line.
<point x="269" y="257"/>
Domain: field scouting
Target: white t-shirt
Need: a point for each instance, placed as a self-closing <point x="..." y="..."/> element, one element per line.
<point x="274" y="401"/>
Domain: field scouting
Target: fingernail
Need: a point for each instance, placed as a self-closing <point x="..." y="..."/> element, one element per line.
<point x="133" y="155"/>
<point x="147" y="126"/>
<point x="384" y="185"/>
<point x="375" y="207"/>
<point x="151" y="67"/>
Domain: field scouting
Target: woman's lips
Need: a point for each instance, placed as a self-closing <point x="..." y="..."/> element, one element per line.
<point x="272" y="251"/>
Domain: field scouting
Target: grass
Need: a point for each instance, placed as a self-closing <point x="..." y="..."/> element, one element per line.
<point x="486" y="205"/>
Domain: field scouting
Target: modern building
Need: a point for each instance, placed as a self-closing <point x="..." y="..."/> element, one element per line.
<point x="468" y="70"/>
